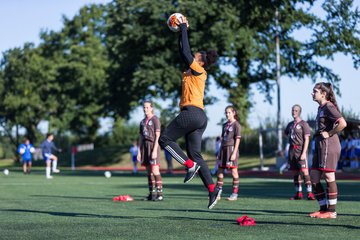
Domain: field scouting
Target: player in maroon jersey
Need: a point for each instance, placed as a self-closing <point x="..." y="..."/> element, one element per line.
<point x="229" y="151"/>
<point x="329" y="122"/>
<point x="149" y="154"/>
<point x="298" y="132"/>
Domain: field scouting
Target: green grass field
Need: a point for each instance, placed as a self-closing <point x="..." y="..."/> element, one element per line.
<point x="79" y="206"/>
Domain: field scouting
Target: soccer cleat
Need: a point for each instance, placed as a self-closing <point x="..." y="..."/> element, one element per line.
<point x="327" y="215"/>
<point x="311" y="196"/>
<point x="56" y="170"/>
<point x="49" y="177"/>
<point x="297" y="196"/>
<point x="191" y="172"/>
<point x="315" y="214"/>
<point x="158" y="198"/>
<point x="213" y="197"/>
<point x="150" y="197"/>
<point x="233" y="197"/>
<point x="219" y="197"/>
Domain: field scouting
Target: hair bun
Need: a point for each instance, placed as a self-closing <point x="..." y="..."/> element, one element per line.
<point x="211" y="57"/>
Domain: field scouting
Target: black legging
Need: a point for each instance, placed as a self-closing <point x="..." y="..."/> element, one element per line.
<point x="191" y="123"/>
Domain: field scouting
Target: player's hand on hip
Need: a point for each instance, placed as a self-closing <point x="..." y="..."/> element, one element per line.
<point x="325" y="135"/>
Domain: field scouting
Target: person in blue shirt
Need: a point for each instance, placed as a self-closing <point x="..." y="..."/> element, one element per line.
<point x="26" y="150"/>
<point x="48" y="148"/>
<point x="134" y="152"/>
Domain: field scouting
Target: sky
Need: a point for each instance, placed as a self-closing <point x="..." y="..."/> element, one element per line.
<point x="22" y="20"/>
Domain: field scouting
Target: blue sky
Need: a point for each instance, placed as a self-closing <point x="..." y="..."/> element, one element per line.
<point x="22" y="20"/>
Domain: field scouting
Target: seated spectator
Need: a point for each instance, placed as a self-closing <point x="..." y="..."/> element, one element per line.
<point x="354" y="162"/>
<point x="342" y="160"/>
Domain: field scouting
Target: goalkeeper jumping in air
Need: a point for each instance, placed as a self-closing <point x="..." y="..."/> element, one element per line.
<point x="192" y="121"/>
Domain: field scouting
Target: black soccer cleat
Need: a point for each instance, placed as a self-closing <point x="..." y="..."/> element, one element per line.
<point x="158" y="198"/>
<point x="150" y="197"/>
<point x="213" y="197"/>
<point x="191" y="172"/>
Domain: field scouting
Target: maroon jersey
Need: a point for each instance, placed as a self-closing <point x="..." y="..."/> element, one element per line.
<point x="230" y="132"/>
<point x="148" y="127"/>
<point x="297" y="131"/>
<point x="326" y="118"/>
<point x="327" y="151"/>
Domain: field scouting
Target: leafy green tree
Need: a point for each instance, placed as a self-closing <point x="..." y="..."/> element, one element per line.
<point x="81" y="63"/>
<point x="123" y="133"/>
<point x="144" y="55"/>
<point x="145" y="60"/>
<point x="109" y="57"/>
<point x="26" y="85"/>
<point x="63" y="80"/>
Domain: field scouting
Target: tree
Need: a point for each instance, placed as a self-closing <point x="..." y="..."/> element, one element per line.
<point x="26" y="84"/>
<point x="145" y="60"/>
<point x="123" y="133"/>
<point x="63" y="80"/>
<point x="141" y="53"/>
<point x="81" y="64"/>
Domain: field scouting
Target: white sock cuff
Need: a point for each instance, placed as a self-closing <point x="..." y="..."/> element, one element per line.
<point x="48" y="170"/>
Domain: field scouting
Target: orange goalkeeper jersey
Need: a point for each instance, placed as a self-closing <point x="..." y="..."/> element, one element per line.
<point x="193" y="87"/>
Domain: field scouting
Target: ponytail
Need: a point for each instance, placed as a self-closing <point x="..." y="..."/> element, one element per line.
<point x="332" y="96"/>
<point x="209" y="58"/>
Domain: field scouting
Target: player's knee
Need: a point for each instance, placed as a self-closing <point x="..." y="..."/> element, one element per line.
<point x="235" y="173"/>
<point x="330" y="177"/>
<point x="155" y="170"/>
